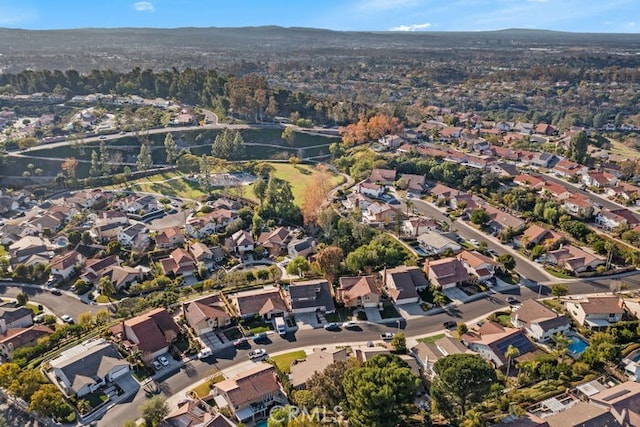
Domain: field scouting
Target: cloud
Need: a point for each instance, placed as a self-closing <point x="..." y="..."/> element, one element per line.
<point x="144" y="6"/>
<point x="412" y="27"/>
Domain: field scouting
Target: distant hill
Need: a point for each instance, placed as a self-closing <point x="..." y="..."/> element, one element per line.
<point x="124" y="48"/>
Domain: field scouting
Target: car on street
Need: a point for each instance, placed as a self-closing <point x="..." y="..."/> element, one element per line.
<point x="241" y="341"/>
<point x="56" y="292"/>
<point x="474" y="242"/>
<point x="156" y="365"/>
<point x="258" y="353"/>
<point x="67" y="319"/>
<point x="492" y="252"/>
<point x="449" y="324"/>
<point x="204" y="353"/>
<point x="350" y="324"/>
<point x="387" y="335"/>
<point x="331" y="326"/>
<point x="163" y="360"/>
<point x="103" y="137"/>
<point x="512" y="300"/>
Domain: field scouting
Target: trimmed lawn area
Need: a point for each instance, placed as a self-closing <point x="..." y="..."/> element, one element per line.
<point x="140" y="374"/>
<point x="232" y="334"/>
<point x="342" y="314"/>
<point x="431" y="339"/>
<point x="96" y="398"/>
<point x="180" y="187"/>
<point x="558" y="274"/>
<point x="33" y="307"/>
<point x="284" y="361"/>
<point x="255" y="325"/>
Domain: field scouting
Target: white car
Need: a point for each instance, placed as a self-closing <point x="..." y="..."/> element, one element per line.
<point x="258" y="353"/>
<point x="66" y="318"/>
<point x="350" y="324"/>
<point x="474" y="242"/>
<point x="387" y="336"/>
<point x="163" y="360"/>
<point x="156" y="365"/>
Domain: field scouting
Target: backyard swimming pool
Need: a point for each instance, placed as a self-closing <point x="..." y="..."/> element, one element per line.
<point x="577" y="345"/>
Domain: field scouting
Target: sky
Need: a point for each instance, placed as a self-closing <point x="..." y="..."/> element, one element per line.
<point x="599" y="16"/>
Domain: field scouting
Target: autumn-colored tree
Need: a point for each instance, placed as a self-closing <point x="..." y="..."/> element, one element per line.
<point x="370" y="129"/>
<point x="69" y="166"/>
<point x="328" y="260"/>
<point x="315" y="195"/>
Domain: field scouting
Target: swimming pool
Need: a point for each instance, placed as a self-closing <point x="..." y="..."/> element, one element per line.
<point x="420" y="251"/>
<point x="261" y="423"/>
<point x="577" y="345"/>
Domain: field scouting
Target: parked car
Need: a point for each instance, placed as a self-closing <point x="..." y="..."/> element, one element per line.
<point x="163" y="360"/>
<point x="204" y="353"/>
<point x="156" y="365"/>
<point x="259" y="337"/>
<point x="241" y="341"/>
<point x="387" y="336"/>
<point x="331" y="326"/>
<point x="258" y="353"/>
<point x="350" y="324"/>
<point x="449" y="324"/>
<point x="512" y="300"/>
<point x="474" y="242"/>
<point x="67" y="319"/>
<point x="56" y="292"/>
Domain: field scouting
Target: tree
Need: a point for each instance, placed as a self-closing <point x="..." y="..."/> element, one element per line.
<point x="559" y="291"/>
<point x="327" y="387"/>
<point x="48" y="401"/>
<point x="379" y="392"/>
<point x="399" y="343"/>
<point x="578" y="148"/>
<point x="288" y="135"/>
<point x="26" y="384"/>
<point x="298" y="266"/>
<point x="106" y="288"/>
<point x="462" y="329"/>
<point x="170" y="148"/>
<point x="507" y="261"/>
<point x="8" y="373"/>
<point x="328" y="260"/>
<point x="69" y="167"/>
<point x="22" y="298"/>
<point x="511" y="353"/>
<point x="462" y="381"/>
<point x="94" y="167"/>
<point x="260" y="188"/>
<point x="105" y="159"/>
<point x="144" y="160"/>
<point x="480" y="217"/>
<point x="85" y="319"/>
<point x="154" y="410"/>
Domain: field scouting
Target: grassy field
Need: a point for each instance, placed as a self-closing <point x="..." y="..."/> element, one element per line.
<point x="300" y="176"/>
<point x="176" y="187"/>
<point x="618" y="147"/>
<point x="431" y="339"/>
<point x="284" y="361"/>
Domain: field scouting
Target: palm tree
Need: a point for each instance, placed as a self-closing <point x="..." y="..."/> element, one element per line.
<point x="511" y="353"/>
<point x="610" y="247"/>
<point x="562" y="343"/>
<point x="409" y="205"/>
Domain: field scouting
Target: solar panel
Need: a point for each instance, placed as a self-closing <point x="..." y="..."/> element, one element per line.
<point x="616" y="395"/>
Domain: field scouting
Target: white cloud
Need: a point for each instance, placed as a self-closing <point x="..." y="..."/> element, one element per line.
<point x="144" y="6"/>
<point x="412" y="27"/>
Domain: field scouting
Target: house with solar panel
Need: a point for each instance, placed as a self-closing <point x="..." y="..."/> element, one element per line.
<point x="492" y="340"/>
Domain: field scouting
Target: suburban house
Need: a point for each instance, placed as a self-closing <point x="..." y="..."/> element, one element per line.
<point x="203" y="226"/>
<point x="599" y="179"/>
<point x="15" y="317"/>
<point x="108" y="231"/>
<point x="504" y="169"/>
<point x="543" y="159"/>
<point x="370" y="189"/>
<point x="492" y="340"/>
<point x="134" y="235"/>
<point x="122" y="276"/>
<point x="465" y="202"/>
<point x="428" y="354"/>
<point x="475" y="263"/>
<point x="64" y="265"/>
<point x="151" y="333"/>
<point x="539" y="322"/>
<point x="317" y="361"/>
<point x="31" y="250"/>
<point x="624" y="191"/>
<point x="303" y="247"/>
<point x="310" y="296"/>
<point x="596" y="312"/>
<point x="611" y="219"/>
<point x="553" y="189"/>
<point x="95" y="268"/>
<point x="87" y="367"/>
<point x="179" y="262"/>
<point x="379" y="213"/>
<point x="358" y="291"/>
<point x="206" y="314"/>
<point x="266" y="303"/>
<point x="391" y="141"/>
<point x="622" y="401"/>
<point x="569" y="169"/>
<point x="573" y="259"/>
<point x="529" y="181"/>
<point x="356" y="201"/>
<point x="275" y="241"/>
<point x="169" y="238"/>
<point x="241" y="242"/>
<point x="442" y="192"/>
<point x="502" y="221"/>
<point x="192" y="413"/>
<point x="436" y="243"/>
<point x="414" y="227"/>
<point x="579" y="205"/>
<point x="446" y="272"/>
<point x="414" y="184"/>
<point x="538" y="235"/>
<point x="382" y="176"/>
<point x="249" y="395"/>
<point x="402" y="283"/>
<point x="12" y="339"/>
<point x="201" y="253"/>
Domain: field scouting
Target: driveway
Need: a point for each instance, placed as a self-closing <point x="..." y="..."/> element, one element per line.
<point x="456" y="295"/>
<point x="307" y="321"/>
<point x="373" y="314"/>
<point x="410" y="310"/>
<point x="211" y="340"/>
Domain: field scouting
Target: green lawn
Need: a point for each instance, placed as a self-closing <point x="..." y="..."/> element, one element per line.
<point x="389" y="312"/>
<point x="558" y="274"/>
<point x="34" y="308"/>
<point x="178" y="187"/>
<point x="96" y="398"/>
<point x="618" y="147"/>
<point x="431" y="339"/>
<point x="300" y="176"/>
<point x="284" y="361"/>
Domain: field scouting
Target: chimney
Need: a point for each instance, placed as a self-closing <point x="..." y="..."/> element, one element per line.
<point x="384" y="277"/>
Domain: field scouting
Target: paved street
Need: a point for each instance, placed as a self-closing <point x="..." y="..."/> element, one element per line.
<point x="59" y="304"/>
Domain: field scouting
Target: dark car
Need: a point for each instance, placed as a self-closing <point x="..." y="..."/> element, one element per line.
<point x="259" y="337"/>
<point x="56" y="292"/>
<point x="331" y="327"/>
<point x="449" y="324"/>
